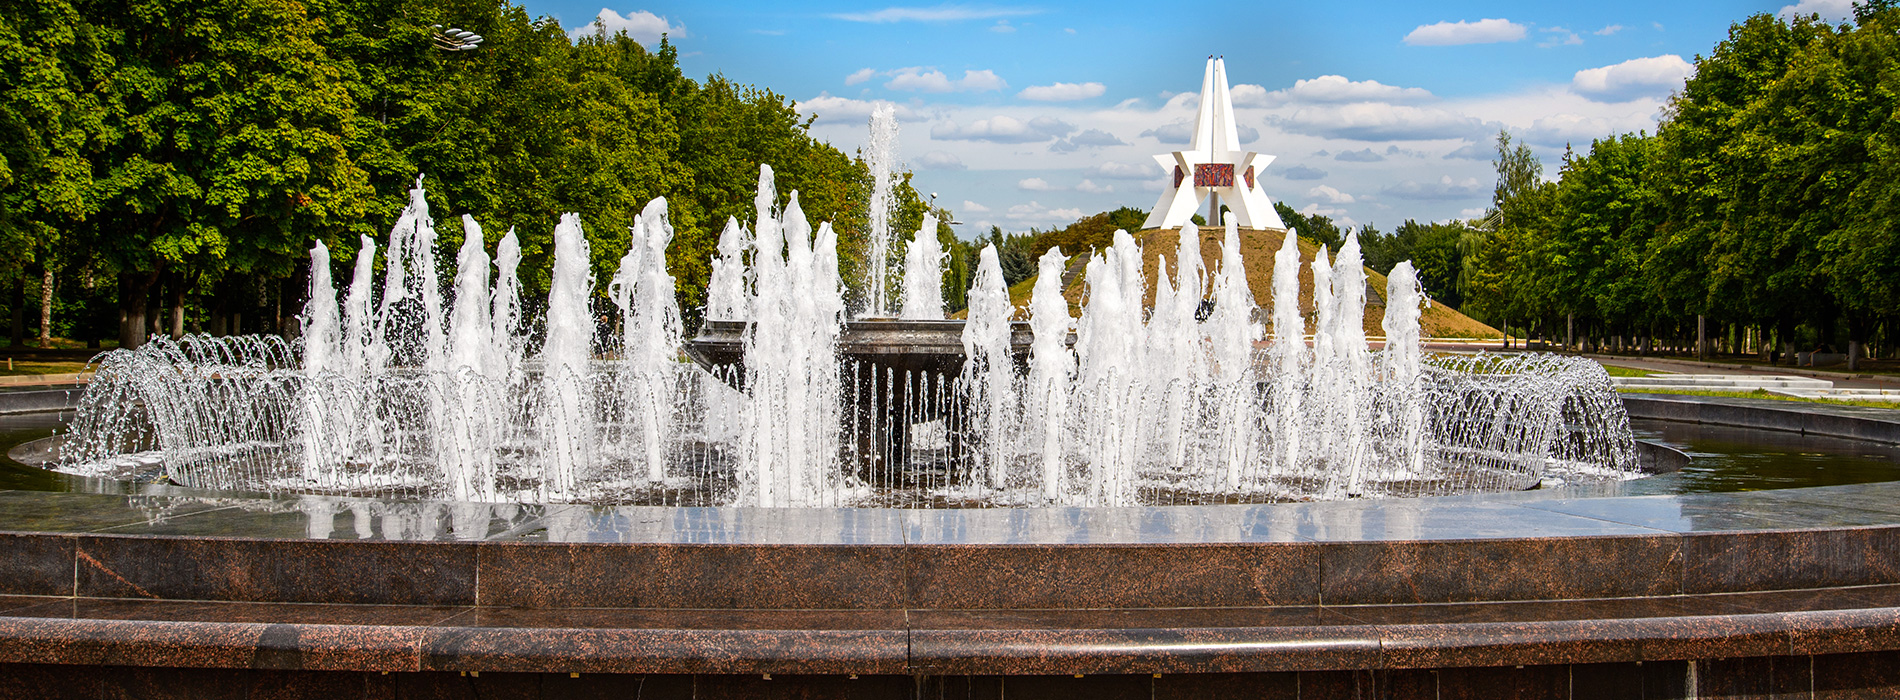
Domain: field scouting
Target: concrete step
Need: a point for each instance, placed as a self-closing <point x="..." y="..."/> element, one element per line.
<point x="1853" y="394"/>
<point x="1723" y="381"/>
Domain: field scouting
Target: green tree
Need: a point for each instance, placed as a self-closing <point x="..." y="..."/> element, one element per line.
<point x="228" y="144"/>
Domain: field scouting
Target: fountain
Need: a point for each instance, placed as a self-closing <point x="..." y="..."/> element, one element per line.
<point x="795" y="406"/>
<point x="1144" y="441"/>
<point x="792" y="399"/>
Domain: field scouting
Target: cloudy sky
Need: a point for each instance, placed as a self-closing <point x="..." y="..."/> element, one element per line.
<point x="1037" y="113"/>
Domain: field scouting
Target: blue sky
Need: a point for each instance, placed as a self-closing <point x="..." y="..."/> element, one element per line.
<point x="1034" y="114"/>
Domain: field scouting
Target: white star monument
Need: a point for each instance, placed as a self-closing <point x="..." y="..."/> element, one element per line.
<point x="1216" y="166"/>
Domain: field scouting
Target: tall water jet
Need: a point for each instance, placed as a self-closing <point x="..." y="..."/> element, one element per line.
<point x="504" y="363"/>
<point x="1322" y="387"/>
<point x="725" y="290"/>
<point x="791" y="424"/>
<point x="923" y="274"/>
<point x="1233" y="332"/>
<point x="1175" y="331"/>
<point x="1402" y="388"/>
<point x="1051" y="368"/>
<point x="1105" y="353"/>
<point x="320" y="356"/>
<point x="568" y="420"/>
<point x="1288" y="352"/>
<point x="357" y="331"/>
<point x="880" y="158"/>
<point x="1353" y="361"/>
<point x="410" y="276"/>
<point x="988" y="371"/>
<point x="650" y="332"/>
<point x="471" y="328"/>
<point x="468" y="422"/>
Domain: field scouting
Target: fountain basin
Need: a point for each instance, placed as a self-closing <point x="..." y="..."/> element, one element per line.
<point x="1422" y="596"/>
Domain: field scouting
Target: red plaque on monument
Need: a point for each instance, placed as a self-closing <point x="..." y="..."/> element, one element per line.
<point x="1214" y="175"/>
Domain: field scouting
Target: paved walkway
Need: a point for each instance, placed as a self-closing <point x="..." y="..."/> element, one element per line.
<point x="1842" y="380"/>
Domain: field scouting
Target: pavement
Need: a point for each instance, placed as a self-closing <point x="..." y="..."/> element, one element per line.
<point x="1842" y="379"/>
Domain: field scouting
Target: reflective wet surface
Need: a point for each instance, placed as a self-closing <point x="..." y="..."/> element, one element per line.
<point x="1741" y="459"/>
<point x="1741" y="479"/>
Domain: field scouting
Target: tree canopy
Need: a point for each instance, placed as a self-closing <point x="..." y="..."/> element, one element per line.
<point x="186" y="155"/>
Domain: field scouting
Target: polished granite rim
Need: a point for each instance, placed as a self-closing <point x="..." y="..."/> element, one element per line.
<point x="1521" y="578"/>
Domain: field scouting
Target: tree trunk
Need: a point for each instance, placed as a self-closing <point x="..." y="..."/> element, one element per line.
<point x="17" y="336"/>
<point x="1701" y="337"/>
<point x="178" y="308"/>
<point x="1856" y="332"/>
<point x="134" y="288"/>
<point x="46" y="305"/>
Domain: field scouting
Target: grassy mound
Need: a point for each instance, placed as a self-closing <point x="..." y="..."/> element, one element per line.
<point x="1257" y="248"/>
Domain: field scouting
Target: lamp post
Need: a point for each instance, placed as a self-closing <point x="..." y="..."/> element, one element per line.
<point x="453" y="39"/>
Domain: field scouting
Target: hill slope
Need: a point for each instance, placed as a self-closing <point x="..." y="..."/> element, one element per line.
<point x="1258" y="247"/>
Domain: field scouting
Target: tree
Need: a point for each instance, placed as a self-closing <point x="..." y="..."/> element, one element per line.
<point x="1317" y="228"/>
<point x="1499" y="265"/>
<point x="227" y="146"/>
<point x="49" y="120"/>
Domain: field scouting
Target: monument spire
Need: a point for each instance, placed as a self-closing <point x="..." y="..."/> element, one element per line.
<point x="1213" y="169"/>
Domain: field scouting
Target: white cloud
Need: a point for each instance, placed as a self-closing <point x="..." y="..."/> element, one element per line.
<point x="1337" y="215"/>
<point x="1563" y="37"/>
<point x="1833" y="10"/>
<point x="1579" y="130"/>
<point x="1035" y="213"/>
<point x="1470" y="151"/>
<point x="1484" y="31"/>
<point x="1002" y="26"/>
<point x="1003" y="129"/>
<point x="1329" y="195"/>
<point x="1089" y="137"/>
<point x="640" y="25"/>
<point x="940" y="13"/>
<point x="1301" y="172"/>
<point x="1363" y="155"/>
<point x="1125" y="171"/>
<point x="861" y="75"/>
<point x="1472" y="213"/>
<point x="1090" y="187"/>
<point x="1444" y="188"/>
<point x="1379" y="121"/>
<point x="1638" y="77"/>
<point x="974" y="208"/>
<point x="941" y="160"/>
<point x="831" y="109"/>
<point x="1035" y="184"/>
<point x="1068" y="30"/>
<point x="1182" y="131"/>
<point x="1332" y="89"/>
<point x="1062" y="92"/>
<point x="923" y="79"/>
<point x="1612" y="29"/>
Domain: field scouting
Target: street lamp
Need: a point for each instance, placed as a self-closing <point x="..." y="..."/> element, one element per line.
<point x="453" y="39"/>
<point x="933" y="205"/>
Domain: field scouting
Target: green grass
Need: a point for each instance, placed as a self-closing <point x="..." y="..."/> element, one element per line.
<point x="26" y="368"/>
<point x="1761" y="394"/>
<point x="1616" y="371"/>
